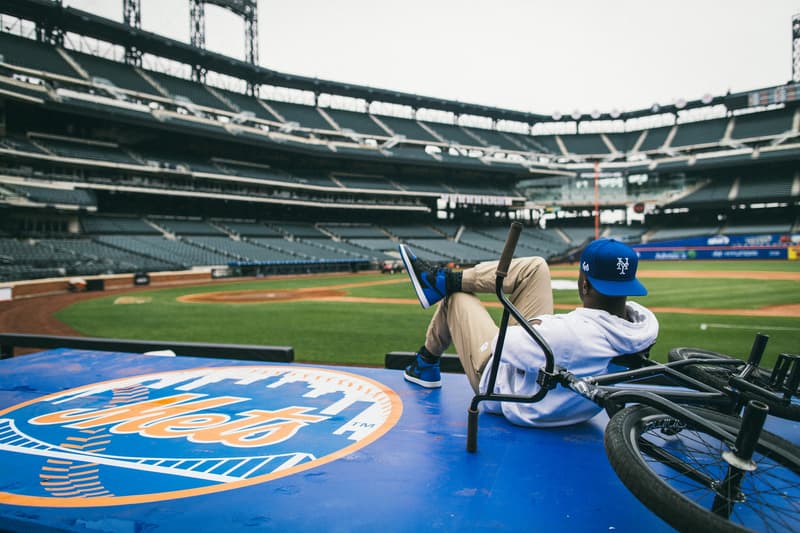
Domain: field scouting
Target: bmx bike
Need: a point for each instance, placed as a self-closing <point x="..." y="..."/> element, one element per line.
<point x="685" y="437"/>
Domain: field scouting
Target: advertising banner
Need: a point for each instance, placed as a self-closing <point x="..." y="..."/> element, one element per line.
<point x="764" y="246"/>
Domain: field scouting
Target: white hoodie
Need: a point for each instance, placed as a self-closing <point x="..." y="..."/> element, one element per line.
<point x="584" y="341"/>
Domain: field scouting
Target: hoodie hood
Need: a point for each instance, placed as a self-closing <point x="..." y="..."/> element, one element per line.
<point x="626" y="336"/>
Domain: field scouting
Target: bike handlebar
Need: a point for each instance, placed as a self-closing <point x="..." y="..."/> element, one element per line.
<point x="508" y="249"/>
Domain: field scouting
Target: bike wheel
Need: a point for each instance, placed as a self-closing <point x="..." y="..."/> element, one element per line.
<point x="676" y="471"/>
<point x="717" y="376"/>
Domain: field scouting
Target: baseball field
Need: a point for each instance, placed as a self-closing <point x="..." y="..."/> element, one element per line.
<point x="357" y="318"/>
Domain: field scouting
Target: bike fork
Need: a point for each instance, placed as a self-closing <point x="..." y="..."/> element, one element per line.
<point x="740" y="460"/>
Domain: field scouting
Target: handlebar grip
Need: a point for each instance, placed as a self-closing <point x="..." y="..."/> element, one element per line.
<point x="508" y="249"/>
<point x="472" y="430"/>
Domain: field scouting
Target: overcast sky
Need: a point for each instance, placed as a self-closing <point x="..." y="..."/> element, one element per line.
<point x="539" y="56"/>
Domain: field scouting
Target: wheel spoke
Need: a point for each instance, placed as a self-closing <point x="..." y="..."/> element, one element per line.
<point x="681" y="467"/>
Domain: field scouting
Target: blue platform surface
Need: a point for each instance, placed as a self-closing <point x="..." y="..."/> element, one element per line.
<point x="414" y="474"/>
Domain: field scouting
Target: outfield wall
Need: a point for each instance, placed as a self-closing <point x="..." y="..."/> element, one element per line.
<point x="17" y="290"/>
<point x="770" y="246"/>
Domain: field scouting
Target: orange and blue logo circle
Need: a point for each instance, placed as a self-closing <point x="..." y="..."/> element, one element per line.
<point x="184" y="433"/>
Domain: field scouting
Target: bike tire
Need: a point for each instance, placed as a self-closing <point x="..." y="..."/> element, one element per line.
<point x="771" y="493"/>
<point x="718" y="376"/>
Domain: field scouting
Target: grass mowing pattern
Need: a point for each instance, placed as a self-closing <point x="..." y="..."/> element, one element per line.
<point x="361" y="333"/>
<point x="709" y="293"/>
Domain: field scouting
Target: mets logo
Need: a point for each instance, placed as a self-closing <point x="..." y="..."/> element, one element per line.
<point x="183" y="433"/>
<point x="622" y="265"/>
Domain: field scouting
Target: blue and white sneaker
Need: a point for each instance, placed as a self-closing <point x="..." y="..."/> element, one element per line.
<point x="424" y="374"/>
<point x="429" y="283"/>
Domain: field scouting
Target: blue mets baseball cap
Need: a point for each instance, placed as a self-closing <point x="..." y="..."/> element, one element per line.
<point x="611" y="266"/>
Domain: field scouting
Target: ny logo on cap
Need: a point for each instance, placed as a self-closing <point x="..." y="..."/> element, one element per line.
<point x="622" y="265"/>
<point x="585" y="266"/>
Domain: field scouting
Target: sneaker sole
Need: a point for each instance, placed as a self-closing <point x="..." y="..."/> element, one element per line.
<point x="422" y="383"/>
<point x="423" y="300"/>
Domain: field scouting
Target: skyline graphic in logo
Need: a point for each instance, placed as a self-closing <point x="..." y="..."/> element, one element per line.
<point x="183" y="433"/>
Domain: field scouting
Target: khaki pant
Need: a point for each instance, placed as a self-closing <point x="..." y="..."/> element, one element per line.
<point x="462" y="320"/>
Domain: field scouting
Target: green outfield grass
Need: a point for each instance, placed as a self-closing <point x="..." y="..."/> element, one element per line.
<point x="710" y="293"/>
<point x="361" y="333"/>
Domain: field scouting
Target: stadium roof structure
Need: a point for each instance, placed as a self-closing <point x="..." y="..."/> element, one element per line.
<point x="90" y="25"/>
<point x="52" y="14"/>
<point x="67" y="109"/>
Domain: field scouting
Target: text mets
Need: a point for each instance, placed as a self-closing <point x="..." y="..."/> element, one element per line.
<point x="180" y="416"/>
